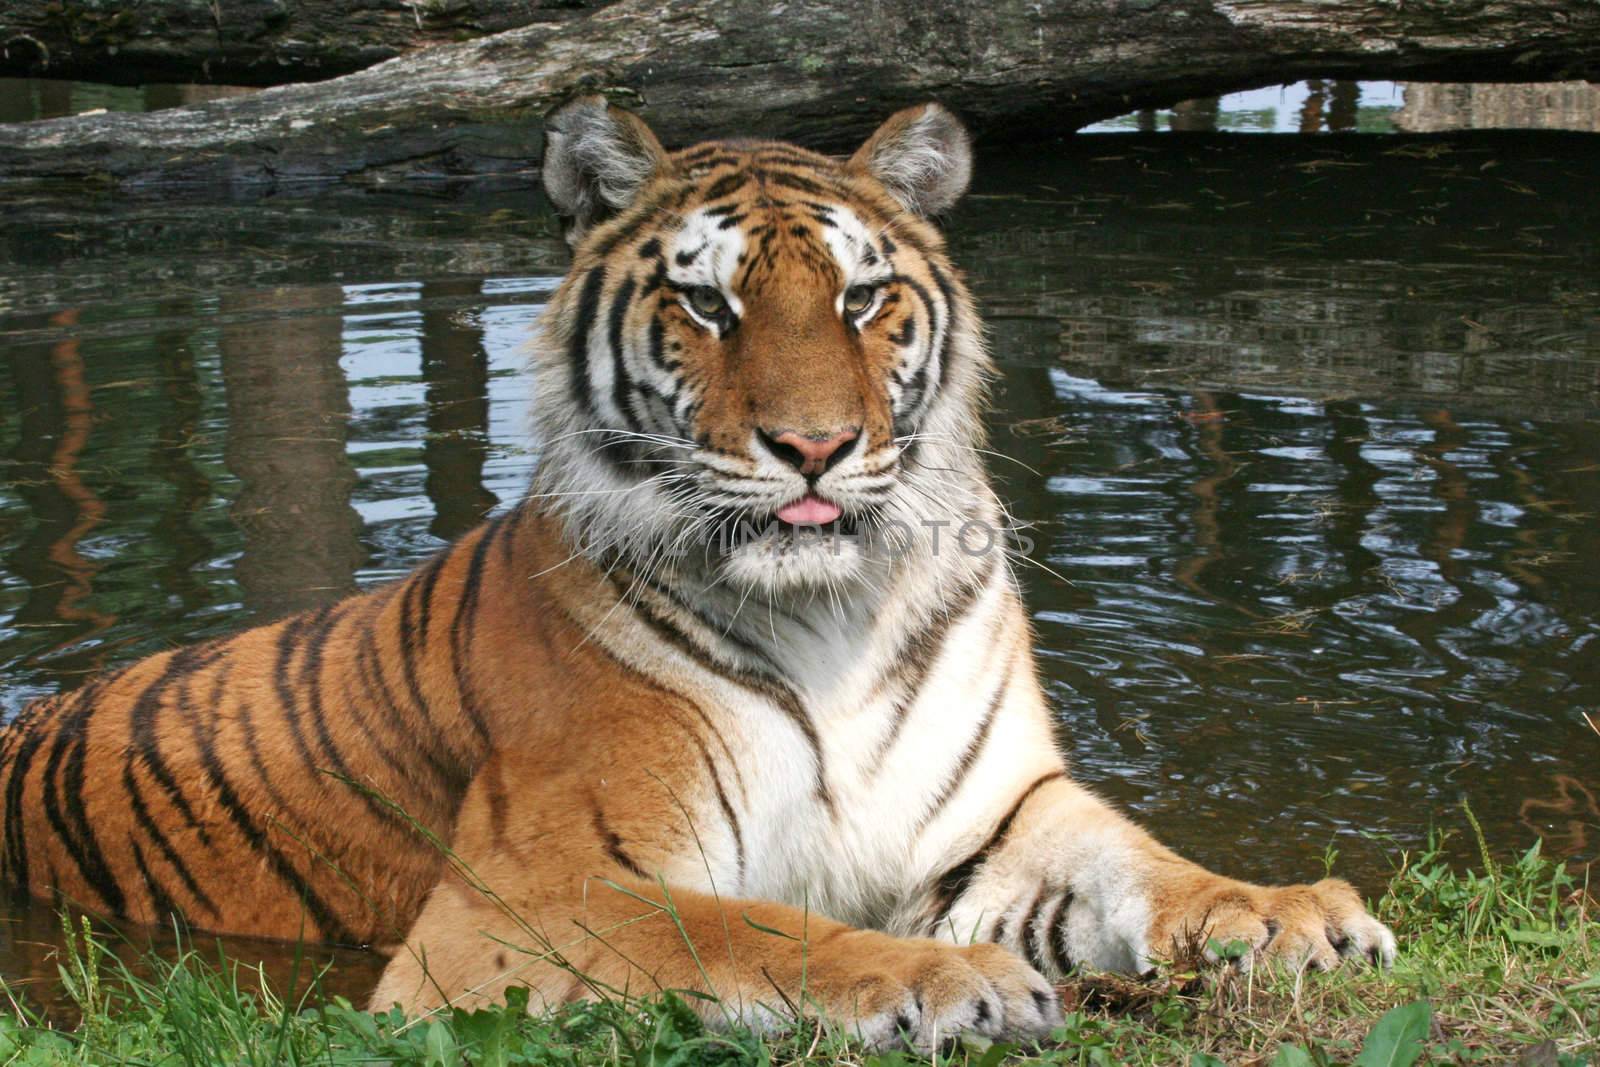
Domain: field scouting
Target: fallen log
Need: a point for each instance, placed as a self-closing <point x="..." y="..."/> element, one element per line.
<point x="822" y="73"/>
<point x="245" y="42"/>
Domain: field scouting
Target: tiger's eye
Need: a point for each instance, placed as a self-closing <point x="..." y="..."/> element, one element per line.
<point x="858" y="298"/>
<point x="707" y="301"/>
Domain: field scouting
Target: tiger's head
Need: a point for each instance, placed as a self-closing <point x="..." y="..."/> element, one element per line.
<point x="761" y="363"/>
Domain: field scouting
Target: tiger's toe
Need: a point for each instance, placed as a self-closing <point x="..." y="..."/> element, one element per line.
<point x="940" y="992"/>
<point x="1320" y="926"/>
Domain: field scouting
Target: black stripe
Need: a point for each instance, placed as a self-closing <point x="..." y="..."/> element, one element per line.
<point x="186" y="713"/>
<point x="969" y="755"/>
<point x="613" y="846"/>
<point x="290" y="639"/>
<point x="951" y="309"/>
<point x="514" y="519"/>
<point x="403" y="767"/>
<point x="161" y="905"/>
<point x="626" y="227"/>
<point x="328" y="925"/>
<point x="912" y="396"/>
<point x="726" y="185"/>
<point x="771" y="688"/>
<point x="374" y="678"/>
<point x="245" y="717"/>
<point x="1057" y="940"/>
<point x="145" y="746"/>
<point x="657" y="279"/>
<point x="908" y="332"/>
<point x="657" y="346"/>
<point x="72" y="824"/>
<point x="141" y="815"/>
<point x="619" y="369"/>
<point x="916" y="656"/>
<point x="16" y="835"/>
<point x="705" y="754"/>
<point x="414" y="613"/>
<point x="801" y="184"/>
<point x="311" y="681"/>
<point x="578" y="347"/>
<point x="727" y="813"/>
<point x="950" y="885"/>
<point x="695" y="155"/>
<point x="1030" y="936"/>
<point x="429" y="576"/>
<point x="466" y="622"/>
<point x="780" y="157"/>
<point x="726" y="160"/>
<point x="723" y="631"/>
<point x="716" y="780"/>
<point x="29" y="731"/>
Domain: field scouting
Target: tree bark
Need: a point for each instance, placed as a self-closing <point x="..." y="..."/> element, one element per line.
<point x="822" y="73"/>
<point x="245" y="42"/>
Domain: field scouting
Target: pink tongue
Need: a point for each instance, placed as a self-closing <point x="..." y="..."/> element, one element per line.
<point x="809" y="510"/>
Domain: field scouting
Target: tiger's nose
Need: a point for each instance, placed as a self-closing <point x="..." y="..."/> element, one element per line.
<point x="810" y="455"/>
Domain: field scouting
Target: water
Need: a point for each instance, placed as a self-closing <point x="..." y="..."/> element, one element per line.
<point x="1306" y="427"/>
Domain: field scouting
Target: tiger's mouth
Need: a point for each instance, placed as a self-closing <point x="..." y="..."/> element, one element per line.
<point x="807" y="517"/>
<point x="807" y="543"/>
<point x="809" y="510"/>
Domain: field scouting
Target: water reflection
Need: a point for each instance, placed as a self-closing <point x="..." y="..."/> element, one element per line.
<point x="455" y="367"/>
<point x="26" y="99"/>
<point x="56" y="419"/>
<point x="32" y="955"/>
<point x="178" y="436"/>
<point x="288" y="415"/>
<point x="1307" y="426"/>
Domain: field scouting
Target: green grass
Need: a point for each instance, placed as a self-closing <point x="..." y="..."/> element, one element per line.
<point x="1497" y="965"/>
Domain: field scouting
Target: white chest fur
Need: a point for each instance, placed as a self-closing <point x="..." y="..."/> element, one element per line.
<point x="889" y="769"/>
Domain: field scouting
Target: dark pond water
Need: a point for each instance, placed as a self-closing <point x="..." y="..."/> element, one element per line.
<point x="1307" y="428"/>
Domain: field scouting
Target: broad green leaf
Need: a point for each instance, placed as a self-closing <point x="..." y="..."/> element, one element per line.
<point x="1292" y="1056"/>
<point x="440" y="1046"/>
<point x="1396" y="1041"/>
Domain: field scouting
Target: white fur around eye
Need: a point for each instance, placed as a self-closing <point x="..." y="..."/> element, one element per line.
<point x="714" y="325"/>
<point x="859" y="255"/>
<point x="702" y="253"/>
<point x="868" y="313"/>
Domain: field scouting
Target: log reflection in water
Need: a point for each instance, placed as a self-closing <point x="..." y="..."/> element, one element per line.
<point x="455" y="367"/>
<point x="288" y="420"/>
<point x="1431" y="107"/>
<point x="172" y="458"/>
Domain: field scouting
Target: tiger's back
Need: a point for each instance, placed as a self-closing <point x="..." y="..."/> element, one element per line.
<point x="279" y="782"/>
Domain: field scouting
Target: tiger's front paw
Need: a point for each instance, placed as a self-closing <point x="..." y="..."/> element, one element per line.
<point x="1317" y="925"/>
<point x="923" y="993"/>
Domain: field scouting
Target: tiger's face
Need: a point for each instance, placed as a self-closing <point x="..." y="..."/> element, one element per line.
<point x="755" y="346"/>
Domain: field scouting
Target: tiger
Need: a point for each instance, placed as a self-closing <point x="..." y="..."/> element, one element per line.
<point x="714" y="708"/>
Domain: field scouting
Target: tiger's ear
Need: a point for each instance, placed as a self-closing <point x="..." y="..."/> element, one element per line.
<point x="596" y="159"/>
<point x="922" y="155"/>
